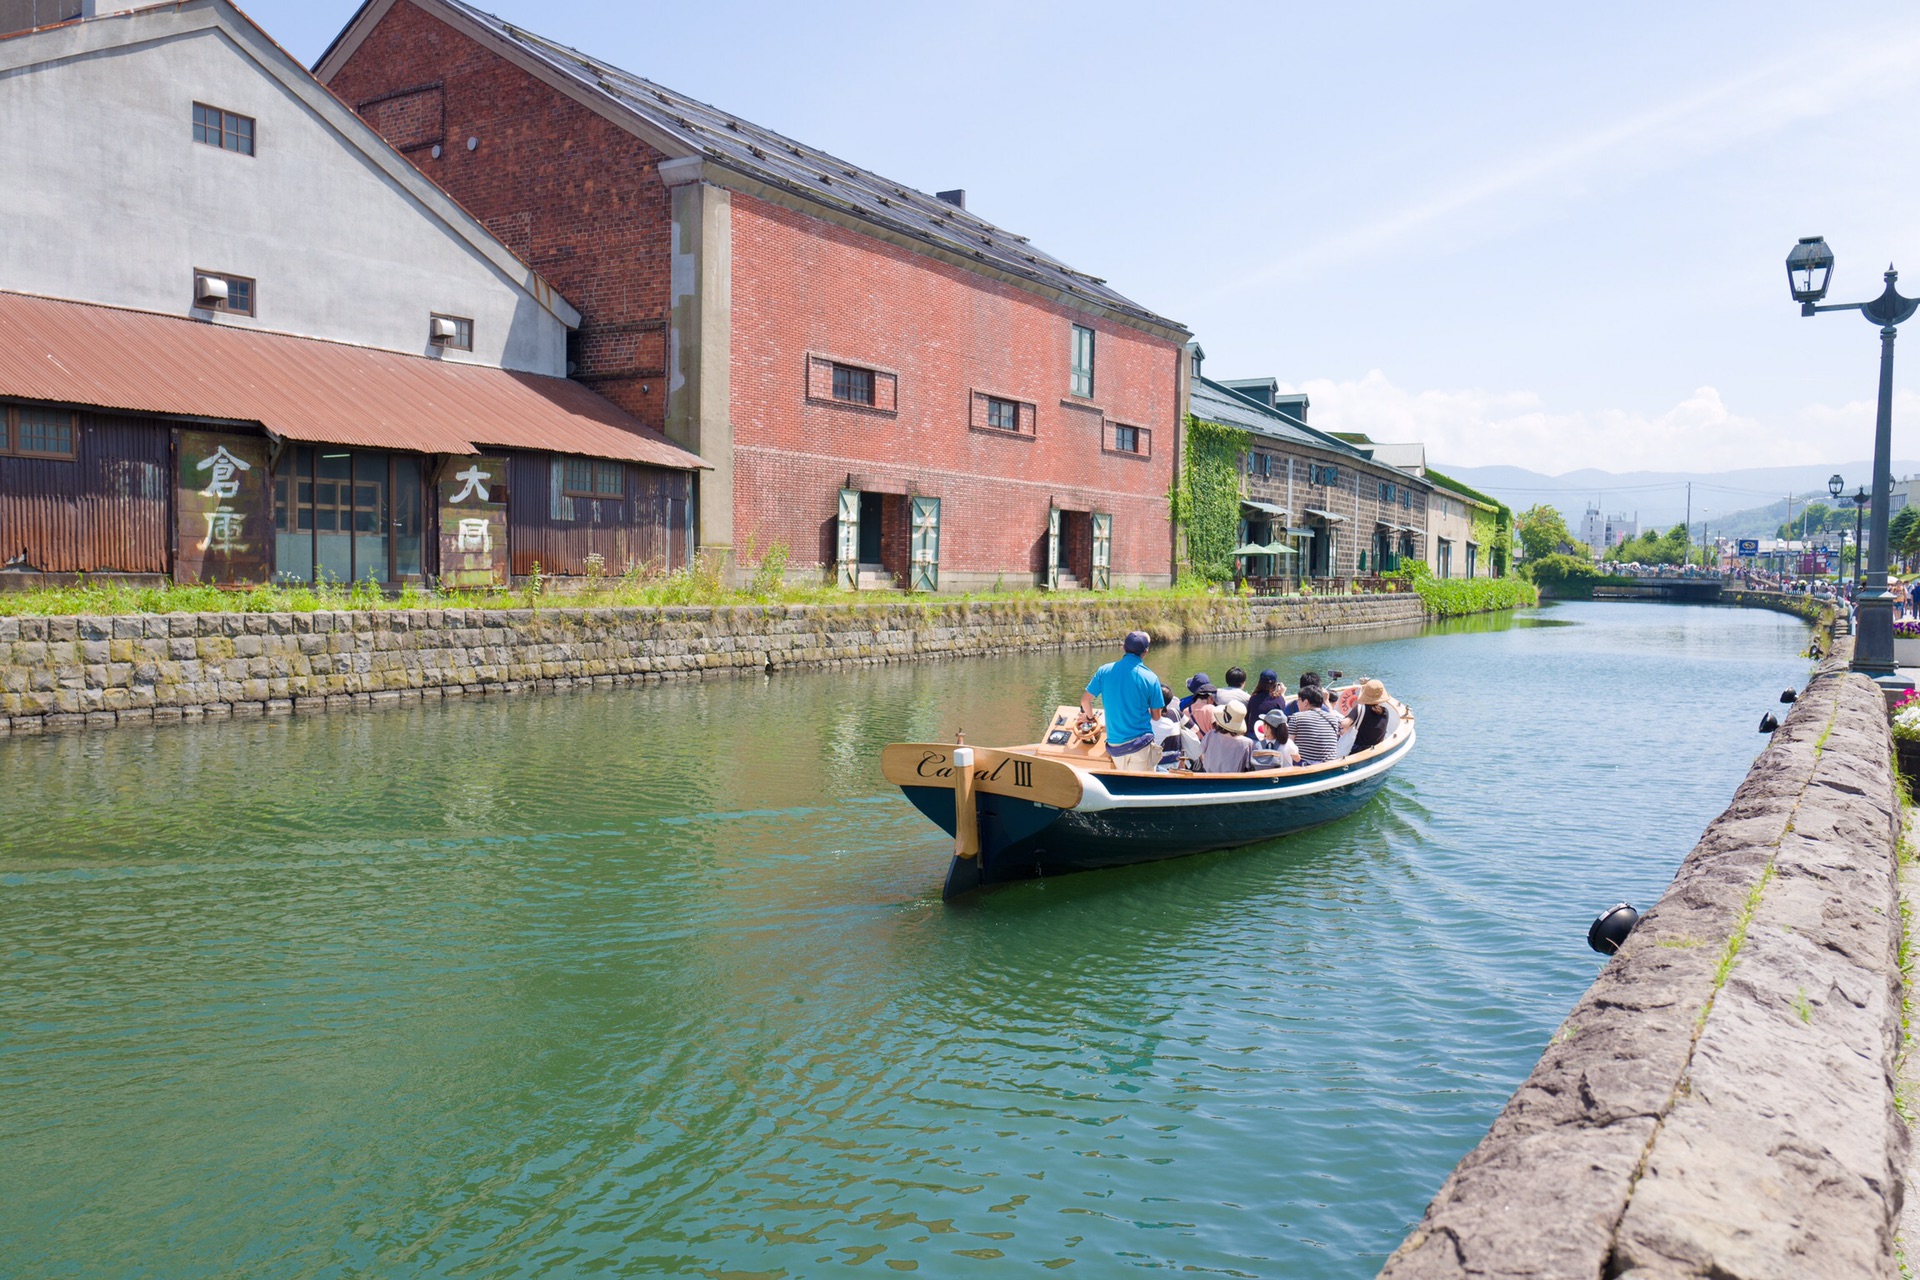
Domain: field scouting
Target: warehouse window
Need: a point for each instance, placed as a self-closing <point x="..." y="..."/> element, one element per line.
<point x="347" y="515"/>
<point x="222" y="129"/>
<point x="1003" y="415"/>
<point x="1082" y="360"/>
<point x="29" y="432"/>
<point x="453" y="332"/>
<point x="586" y="478"/>
<point x="854" y="386"/>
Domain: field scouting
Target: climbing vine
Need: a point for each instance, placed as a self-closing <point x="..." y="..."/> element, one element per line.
<point x="1207" y="502"/>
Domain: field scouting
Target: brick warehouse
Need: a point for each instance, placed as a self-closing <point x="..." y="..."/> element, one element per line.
<point x="888" y="385"/>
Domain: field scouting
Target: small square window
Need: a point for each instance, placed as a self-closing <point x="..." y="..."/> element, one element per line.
<point x="31" y="432"/>
<point x="455" y="332"/>
<point x="609" y="480"/>
<point x="239" y="299"/>
<point x="1003" y="415"/>
<point x="855" y="386"/>
<point x="1126" y="439"/>
<point x="222" y="129"/>
<point x="1082" y="360"/>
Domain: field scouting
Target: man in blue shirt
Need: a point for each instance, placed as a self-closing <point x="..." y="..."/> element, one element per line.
<point x="1131" y="694"/>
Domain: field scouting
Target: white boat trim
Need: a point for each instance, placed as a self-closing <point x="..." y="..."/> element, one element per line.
<point x="1095" y="798"/>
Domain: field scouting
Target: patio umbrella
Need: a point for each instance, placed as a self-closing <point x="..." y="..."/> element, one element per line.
<point x="1250" y="549"/>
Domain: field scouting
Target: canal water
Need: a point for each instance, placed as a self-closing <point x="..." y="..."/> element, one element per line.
<point x="658" y="981"/>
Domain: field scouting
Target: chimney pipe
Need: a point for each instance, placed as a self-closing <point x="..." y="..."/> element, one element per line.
<point x="956" y="197"/>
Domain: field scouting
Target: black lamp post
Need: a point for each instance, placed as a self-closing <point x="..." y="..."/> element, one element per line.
<point x="1859" y="508"/>
<point x="1835" y="487"/>
<point x="1809" y="272"/>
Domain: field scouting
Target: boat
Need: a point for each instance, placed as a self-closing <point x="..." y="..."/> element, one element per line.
<point x="1058" y="805"/>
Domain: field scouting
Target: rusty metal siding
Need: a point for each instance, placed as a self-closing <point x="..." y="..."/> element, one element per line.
<point x="104" y="512"/>
<point x="648" y="528"/>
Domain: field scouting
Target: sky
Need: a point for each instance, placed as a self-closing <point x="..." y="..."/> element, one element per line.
<point x="1549" y="236"/>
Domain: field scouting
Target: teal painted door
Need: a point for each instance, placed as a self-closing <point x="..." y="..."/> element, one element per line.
<point x="924" y="574"/>
<point x="1053" y="548"/>
<point x="1102" y="551"/>
<point x="849" y="539"/>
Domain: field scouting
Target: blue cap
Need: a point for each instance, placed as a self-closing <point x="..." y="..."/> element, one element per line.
<point x="1270" y="674"/>
<point x="1194" y="683"/>
<point x="1137" y="641"/>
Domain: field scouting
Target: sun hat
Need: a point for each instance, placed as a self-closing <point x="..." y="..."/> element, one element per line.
<point x="1372" y="693"/>
<point x="1138" y="641"/>
<point x="1232" y="718"/>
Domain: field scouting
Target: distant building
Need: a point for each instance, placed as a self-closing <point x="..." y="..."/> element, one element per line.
<point x="1461" y="522"/>
<point x="1603" y="531"/>
<point x="1330" y="503"/>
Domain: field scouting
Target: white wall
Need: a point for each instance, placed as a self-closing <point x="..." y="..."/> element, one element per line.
<point x="105" y="196"/>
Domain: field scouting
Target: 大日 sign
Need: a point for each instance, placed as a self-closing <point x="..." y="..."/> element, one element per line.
<point x="224" y="497"/>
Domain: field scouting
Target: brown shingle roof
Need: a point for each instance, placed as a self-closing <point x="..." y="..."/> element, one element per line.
<point x="305" y="388"/>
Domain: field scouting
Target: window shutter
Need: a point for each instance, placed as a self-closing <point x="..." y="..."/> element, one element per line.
<point x="1053" y="548"/>
<point x="849" y="534"/>
<point x="1102" y="551"/>
<point x="924" y="572"/>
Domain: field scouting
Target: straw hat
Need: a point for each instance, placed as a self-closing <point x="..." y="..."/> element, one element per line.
<point x="1232" y="718"/>
<point x="1372" y="693"/>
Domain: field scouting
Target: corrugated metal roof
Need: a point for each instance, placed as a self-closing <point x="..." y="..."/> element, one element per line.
<point x="304" y="388"/>
<point x="822" y="178"/>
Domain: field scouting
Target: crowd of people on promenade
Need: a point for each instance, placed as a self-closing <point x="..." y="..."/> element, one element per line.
<point x="1228" y="728"/>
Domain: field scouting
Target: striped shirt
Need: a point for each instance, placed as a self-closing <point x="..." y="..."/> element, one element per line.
<point x="1317" y="732"/>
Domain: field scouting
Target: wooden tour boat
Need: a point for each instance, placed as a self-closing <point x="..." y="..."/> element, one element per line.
<point x="1059" y="805"/>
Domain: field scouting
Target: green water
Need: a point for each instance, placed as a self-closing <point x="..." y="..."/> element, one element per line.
<point x="658" y="981"/>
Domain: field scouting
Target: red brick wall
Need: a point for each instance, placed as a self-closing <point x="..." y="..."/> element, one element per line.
<point x="804" y="287"/>
<point x="574" y="195"/>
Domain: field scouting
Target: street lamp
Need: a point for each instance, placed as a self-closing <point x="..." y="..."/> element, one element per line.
<point x="1835" y="487"/>
<point x="1809" y="272"/>
<point x="1860" y="501"/>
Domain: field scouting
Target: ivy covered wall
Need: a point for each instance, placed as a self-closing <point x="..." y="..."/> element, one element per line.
<point x="1207" y="502"/>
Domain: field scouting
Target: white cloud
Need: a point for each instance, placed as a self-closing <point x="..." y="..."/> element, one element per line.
<point x="1474" y="427"/>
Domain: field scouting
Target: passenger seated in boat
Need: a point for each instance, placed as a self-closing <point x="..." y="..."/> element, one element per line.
<point x="1201" y="706"/>
<point x="1268" y="694"/>
<point x="1314" y="727"/>
<point x="1372" y="717"/>
<point x="1169" y="733"/>
<point x="1236" y="690"/>
<point x="1306" y="678"/>
<point x="1273" y="746"/>
<point x="1226" y="748"/>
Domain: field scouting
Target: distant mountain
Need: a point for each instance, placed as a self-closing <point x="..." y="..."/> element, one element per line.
<point x="1753" y="497"/>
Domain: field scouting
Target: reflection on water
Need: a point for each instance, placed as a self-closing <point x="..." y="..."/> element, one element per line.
<point x="658" y="981"/>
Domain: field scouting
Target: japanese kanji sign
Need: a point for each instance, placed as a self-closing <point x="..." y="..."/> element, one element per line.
<point x="473" y="522"/>
<point x="225" y="503"/>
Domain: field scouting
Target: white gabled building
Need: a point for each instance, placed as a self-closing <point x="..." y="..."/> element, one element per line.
<point x="205" y="257"/>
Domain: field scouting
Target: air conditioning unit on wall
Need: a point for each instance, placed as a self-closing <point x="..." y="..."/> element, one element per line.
<point x="209" y="292"/>
<point x="444" y="331"/>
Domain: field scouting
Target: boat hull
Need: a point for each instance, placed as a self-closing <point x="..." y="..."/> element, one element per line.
<point x="1130" y="818"/>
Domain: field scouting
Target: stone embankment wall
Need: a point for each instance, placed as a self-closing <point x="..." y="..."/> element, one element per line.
<point x="91" y="672"/>
<point x="1721" y="1102"/>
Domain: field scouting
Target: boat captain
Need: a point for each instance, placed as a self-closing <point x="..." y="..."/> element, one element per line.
<point x="1130" y="692"/>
